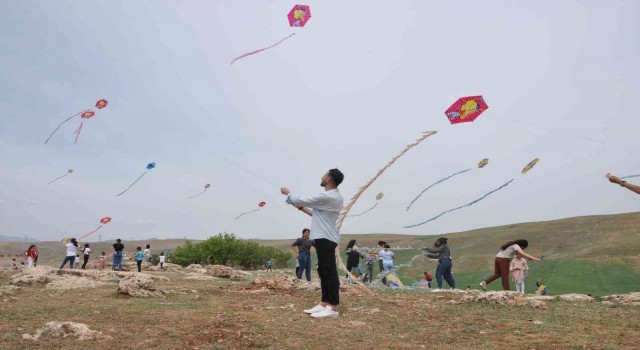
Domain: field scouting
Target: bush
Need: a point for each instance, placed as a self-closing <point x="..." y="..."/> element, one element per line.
<point x="227" y="249"/>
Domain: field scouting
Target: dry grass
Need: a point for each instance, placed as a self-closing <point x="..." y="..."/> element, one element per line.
<point x="222" y="314"/>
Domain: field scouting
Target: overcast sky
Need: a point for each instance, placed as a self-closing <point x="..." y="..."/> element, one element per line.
<point x="360" y="81"/>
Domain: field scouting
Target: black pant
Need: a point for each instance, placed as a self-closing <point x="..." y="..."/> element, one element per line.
<point x="327" y="271"/>
<point x="86" y="260"/>
<point x="139" y="262"/>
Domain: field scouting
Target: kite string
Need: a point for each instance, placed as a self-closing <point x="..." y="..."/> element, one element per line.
<point x="138" y="179"/>
<point x="198" y="194"/>
<point x="364" y="212"/>
<point x="462" y="206"/>
<point x="99" y="227"/>
<point x="77" y="132"/>
<point x="439" y="181"/>
<point x="259" y="50"/>
<point x="59" y="125"/>
<point x="347" y="208"/>
<point x="247" y="212"/>
<point x="58" y="178"/>
<point x="250" y="172"/>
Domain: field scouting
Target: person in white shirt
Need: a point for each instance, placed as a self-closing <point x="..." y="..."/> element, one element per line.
<point x="387" y="257"/>
<point x="161" y="260"/>
<point x="146" y="254"/>
<point x="503" y="260"/>
<point x="72" y="246"/>
<point x="324" y="209"/>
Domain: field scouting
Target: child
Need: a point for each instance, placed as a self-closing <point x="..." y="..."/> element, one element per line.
<point x="427" y="278"/>
<point x="369" y="261"/>
<point x="103" y="257"/>
<point x="76" y="262"/>
<point x="139" y="257"/>
<point x="269" y="263"/>
<point x="161" y="260"/>
<point x="86" y="251"/>
<point x="519" y="270"/>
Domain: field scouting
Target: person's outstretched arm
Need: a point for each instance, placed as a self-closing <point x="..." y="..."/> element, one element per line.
<point x="616" y="180"/>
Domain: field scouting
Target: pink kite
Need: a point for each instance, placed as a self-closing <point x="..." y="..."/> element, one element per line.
<point x="298" y="17"/>
<point x="85" y="114"/>
<point x="103" y="221"/>
<point x="466" y="109"/>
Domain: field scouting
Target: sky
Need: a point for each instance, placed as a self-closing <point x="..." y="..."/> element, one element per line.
<point x="359" y="82"/>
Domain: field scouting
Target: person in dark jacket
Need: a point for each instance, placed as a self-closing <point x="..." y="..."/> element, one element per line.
<point x="441" y="252"/>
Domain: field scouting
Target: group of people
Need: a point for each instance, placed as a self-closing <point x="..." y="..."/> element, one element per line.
<point x="117" y="255"/>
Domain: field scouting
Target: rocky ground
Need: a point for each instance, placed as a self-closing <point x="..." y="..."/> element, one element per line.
<point x="217" y="307"/>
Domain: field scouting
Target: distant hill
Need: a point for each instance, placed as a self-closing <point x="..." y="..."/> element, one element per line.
<point x="16" y="239"/>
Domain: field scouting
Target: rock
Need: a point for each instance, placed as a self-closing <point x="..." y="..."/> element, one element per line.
<point x="220" y="271"/>
<point x="68" y="282"/>
<point x="504" y="298"/>
<point x="138" y="285"/>
<point x="8" y="290"/>
<point x="199" y="277"/>
<point x="576" y="297"/>
<point x="631" y="299"/>
<point x="238" y="275"/>
<point x="26" y="278"/>
<point x="56" y="329"/>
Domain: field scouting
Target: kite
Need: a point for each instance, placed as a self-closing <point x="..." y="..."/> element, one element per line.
<point x="60" y="177"/>
<point x="298" y="17"/>
<point x="481" y="165"/>
<point x="378" y="197"/>
<point x="260" y="205"/>
<point x="84" y="114"/>
<point x="354" y="199"/>
<point x="530" y="165"/>
<point x="466" y="109"/>
<point x="527" y="168"/>
<point x="103" y="221"/>
<point x="150" y="166"/>
<point x="206" y="187"/>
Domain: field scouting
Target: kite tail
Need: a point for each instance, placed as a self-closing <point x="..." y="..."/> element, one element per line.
<point x="345" y="210"/>
<point x="77" y="132"/>
<point x="59" y="125"/>
<point x="630" y="176"/>
<point x="364" y="212"/>
<point x="247" y="212"/>
<point x="462" y="206"/>
<point x="198" y="194"/>
<point x="57" y="178"/>
<point x="439" y="181"/>
<point x="260" y="50"/>
<point x="99" y="227"/>
<point x="138" y="179"/>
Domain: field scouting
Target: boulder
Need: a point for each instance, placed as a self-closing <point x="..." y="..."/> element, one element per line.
<point x="576" y="297"/>
<point x="138" y="285"/>
<point x="56" y="329"/>
<point x="220" y="271"/>
<point x="238" y="275"/>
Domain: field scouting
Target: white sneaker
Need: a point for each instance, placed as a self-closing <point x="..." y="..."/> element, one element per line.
<point x="314" y="309"/>
<point x="483" y="285"/>
<point x="327" y="312"/>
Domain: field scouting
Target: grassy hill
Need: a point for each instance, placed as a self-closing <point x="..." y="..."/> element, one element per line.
<point x="591" y="254"/>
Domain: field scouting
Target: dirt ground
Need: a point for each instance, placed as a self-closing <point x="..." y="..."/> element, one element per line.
<point x="224" y="314"/>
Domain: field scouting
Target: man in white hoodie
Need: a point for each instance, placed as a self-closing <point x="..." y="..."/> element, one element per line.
<point x="324" y="209"/>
